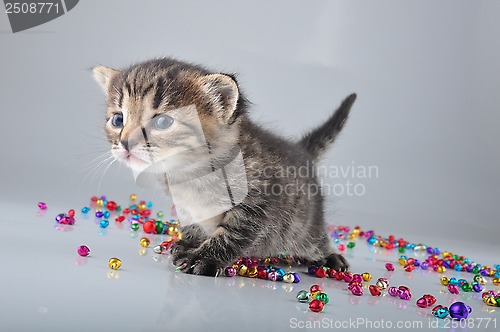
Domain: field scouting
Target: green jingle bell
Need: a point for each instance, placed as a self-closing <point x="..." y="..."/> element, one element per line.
<point x="466" y="287"/>
<point x="159" y="226"/>
<point x="323" y="297"/>
<point x="479" y="279"/>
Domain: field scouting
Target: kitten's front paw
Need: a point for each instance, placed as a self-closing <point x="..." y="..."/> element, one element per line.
<point x="181" y="251"/>
<point x="179" y="247"/>
<point x="191" y="263"/>
<point x="337" y="262"/>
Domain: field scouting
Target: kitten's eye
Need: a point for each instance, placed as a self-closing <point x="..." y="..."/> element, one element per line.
<point x="117" y="120"/>
<point x="162" y="122"/>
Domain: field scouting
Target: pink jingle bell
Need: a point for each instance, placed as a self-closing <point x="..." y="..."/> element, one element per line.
<point x="348" y="277"/>
<point x="453" y="289"/>
<point x="357" y="290"/>
<point x="83" y="250"/>
<point x="352" y="284"/>
<point x="389" y="267"/>
<point x="357" y="277"/>
<point x="422" y="302"/>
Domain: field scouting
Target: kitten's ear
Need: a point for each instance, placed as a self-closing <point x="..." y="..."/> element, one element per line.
<point x="224" y="91"/>
<point x="103" y="76"/>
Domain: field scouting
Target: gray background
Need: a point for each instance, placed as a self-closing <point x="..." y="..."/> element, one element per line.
<point x="427" y="75"/>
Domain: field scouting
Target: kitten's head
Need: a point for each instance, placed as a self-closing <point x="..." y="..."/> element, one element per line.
<point x="170" y="111"/>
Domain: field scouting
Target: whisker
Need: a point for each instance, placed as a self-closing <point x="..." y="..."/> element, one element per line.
<point x="107" y="153"/>
<point x="104" y="173"/>
<point x="84" y="155"/>
<point x="95" y="170"/>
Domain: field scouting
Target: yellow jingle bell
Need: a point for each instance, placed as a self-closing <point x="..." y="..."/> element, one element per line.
<point x="114" y="263"/>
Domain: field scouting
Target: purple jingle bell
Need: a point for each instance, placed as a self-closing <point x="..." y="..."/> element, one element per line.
<point x="230" y="272"/>
<point x="477" y="287"/>
<point x="393" y="291"/>
<point x="459" y="310"/>
<point x="273" y="276"/>
<point x="404" y="293"/>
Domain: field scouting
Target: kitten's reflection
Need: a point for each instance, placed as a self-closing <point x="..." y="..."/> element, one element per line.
<point x="209" y="301"/>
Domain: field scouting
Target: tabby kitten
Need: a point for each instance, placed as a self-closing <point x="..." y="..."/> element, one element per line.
<point x="238" y="189"/>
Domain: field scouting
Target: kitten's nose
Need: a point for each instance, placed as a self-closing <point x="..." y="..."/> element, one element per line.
<point x="128" y="143"/>
<point x="125" y="144"/>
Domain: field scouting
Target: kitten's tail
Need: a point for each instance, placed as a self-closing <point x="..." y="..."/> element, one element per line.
<point x="316" y="141"/>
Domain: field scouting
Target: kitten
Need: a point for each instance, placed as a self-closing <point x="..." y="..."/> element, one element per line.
<point x="238" y="188"/>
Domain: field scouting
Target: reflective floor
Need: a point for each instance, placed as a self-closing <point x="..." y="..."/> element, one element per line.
<point x="46" y="286"/>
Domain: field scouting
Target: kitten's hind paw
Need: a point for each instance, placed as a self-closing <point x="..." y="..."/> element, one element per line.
<point x="337" y="262"/>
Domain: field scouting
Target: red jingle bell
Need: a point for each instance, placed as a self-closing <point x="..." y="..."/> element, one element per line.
<point x="316" y="305"/>
<point x="315" y="288"/>
<point x="374" y="290"/>
<point x="320" y="272"/>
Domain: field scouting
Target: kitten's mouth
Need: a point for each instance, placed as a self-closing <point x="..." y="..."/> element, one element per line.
<point x="133" y="160"/>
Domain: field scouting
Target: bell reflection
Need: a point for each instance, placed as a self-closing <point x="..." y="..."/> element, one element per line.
<point x="113" y="274"/>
